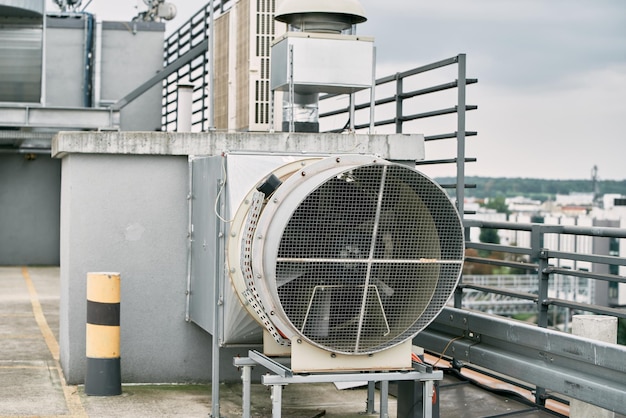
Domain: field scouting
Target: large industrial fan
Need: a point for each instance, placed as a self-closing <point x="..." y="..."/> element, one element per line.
<point x="348" y="255"/>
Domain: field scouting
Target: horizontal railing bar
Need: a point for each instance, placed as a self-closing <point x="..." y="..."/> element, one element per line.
<point x="500" y="291"/>
<point x="586" y="274"/>
<point x="475" y="223"/>
<point x="504" y="263"/>
<point x="453" y="186"/>
<point x="603" y="310"/>
<point x="189" y="56"/>
<point x="434" y="113"/>
<point x="445" y="161"/>
<point x="450" y="135"/>
<point x="418" y="70"/>
<point x="435" y="89"/>
<point x="605" y="231"/>
<point x="498" y="247"/>
<point x="592" y="258"/>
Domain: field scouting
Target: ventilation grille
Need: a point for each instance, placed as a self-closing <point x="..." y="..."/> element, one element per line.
<point x="265" y="30"/>
<point x="365" y="255"/>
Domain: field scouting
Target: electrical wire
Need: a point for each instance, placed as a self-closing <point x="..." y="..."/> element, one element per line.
<point x="219" y="193"/>
<point x="446" y="349"/>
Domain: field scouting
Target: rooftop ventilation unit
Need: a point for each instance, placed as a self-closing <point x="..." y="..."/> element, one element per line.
<point x="320" y="53"/>
<point x="344" y="258"/>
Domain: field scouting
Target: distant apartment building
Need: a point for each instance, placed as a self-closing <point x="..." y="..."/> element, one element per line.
<point x="576" y="209"/>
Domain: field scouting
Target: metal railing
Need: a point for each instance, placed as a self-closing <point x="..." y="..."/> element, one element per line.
<point x="555" y="362"/>
<point x="544" y="263"/>
<point x="393" y="90"/>
<point x="548" y="360"/>
<point x="186" y="55"/>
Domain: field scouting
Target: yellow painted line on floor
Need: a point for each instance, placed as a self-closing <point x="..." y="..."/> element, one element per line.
<point x="72" y="400"/>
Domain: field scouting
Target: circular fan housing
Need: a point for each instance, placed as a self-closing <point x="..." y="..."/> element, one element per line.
<point x="355" y="254"/>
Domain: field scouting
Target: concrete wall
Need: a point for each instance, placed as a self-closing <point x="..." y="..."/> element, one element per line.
<point x="29" y="202"/>
<point x="124" y="208"/>
<point x="129" y="214"/>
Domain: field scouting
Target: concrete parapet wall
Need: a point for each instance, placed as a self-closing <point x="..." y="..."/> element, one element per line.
<point x="393" y="147"/>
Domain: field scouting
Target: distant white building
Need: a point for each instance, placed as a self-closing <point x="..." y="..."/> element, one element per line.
<point x="523" y="204"/>
<point x="574" y="199"/>
<point x="577" y="210"/>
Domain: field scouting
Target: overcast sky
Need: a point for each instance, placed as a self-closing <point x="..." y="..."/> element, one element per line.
<point x="551" y="94"/>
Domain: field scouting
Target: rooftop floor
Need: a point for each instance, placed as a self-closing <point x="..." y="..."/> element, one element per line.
<point x="32" y="384"/>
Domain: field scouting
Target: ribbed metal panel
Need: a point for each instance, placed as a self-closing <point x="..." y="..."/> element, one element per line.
<point x="22" y="8"/>
<point x="21" y="62"/>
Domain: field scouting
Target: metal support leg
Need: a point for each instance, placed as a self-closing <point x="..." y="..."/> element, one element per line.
<point x="371" y="398"/>
<point x="246" y="379"/>
<point x="277" y="400"/>
<point x="428" y="399"/>
<point x="384" y="399"/>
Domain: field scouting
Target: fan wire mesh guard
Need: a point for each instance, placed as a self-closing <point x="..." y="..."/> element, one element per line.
<point x="368" y="259"/>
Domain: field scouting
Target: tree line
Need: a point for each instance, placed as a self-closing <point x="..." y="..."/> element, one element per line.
<point x="540" y="189"/>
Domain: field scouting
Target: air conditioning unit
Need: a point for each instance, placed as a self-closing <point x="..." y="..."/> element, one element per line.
<point x="339" y="259"/>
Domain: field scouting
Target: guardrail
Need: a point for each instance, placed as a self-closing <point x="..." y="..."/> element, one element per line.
<point x="549" y="360"/>
<point x="554" y="362"/>
<point x="186" y="59"/>
<point x="393" y="90"/>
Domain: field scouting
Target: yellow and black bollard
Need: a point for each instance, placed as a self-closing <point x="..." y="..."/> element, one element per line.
<point x="103" y="376"/>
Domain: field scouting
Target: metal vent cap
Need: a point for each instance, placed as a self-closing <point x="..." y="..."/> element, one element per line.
<point x="321" y="15"/>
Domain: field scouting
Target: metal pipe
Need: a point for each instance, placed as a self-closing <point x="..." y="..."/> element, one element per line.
<point x="246" y="378"/>
<point x="185" y="107"/>
<point x="44" y="41"/>
<point x="427" y="398"/>
<point x="384" y="399"/>
<point x="189" y="237"/>
<point x="373" y="94"/>
<point x="351" y="112"/>
<point x="371" y="398"/>
<point x="292" y="98"/>
<point x="217" y="325"/>
<point x="97" y="72"/>
<point x="277" y="400"/>
<point x="211" y="67"/>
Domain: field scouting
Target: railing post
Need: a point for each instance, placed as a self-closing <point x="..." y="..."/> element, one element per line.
<point x="399" y="110"/>
<point x="541" y="256"/>
<point x="460" y="135"/>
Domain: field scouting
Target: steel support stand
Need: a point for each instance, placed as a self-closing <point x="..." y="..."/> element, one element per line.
<point x="427" y="398"/>
<point x="246" y="379"/>
<point x="277" y="400"/>
<point x="282" y="375"/>
<point x="384" y="399"/>
<point x="371" y="398"/>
